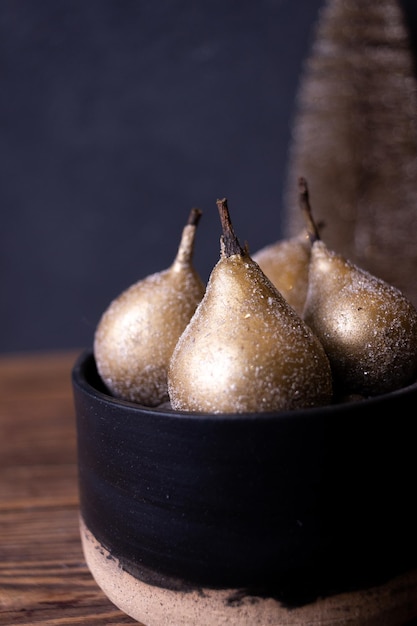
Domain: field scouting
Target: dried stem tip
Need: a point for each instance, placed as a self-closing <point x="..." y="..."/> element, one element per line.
<point x="230" y="242"/>
<point x="186" y="247"/>
<point x="312" y="230"/>
<point x="194" y="217"/>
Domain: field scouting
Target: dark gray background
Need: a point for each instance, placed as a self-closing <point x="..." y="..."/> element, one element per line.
<point x="116" y="117"/>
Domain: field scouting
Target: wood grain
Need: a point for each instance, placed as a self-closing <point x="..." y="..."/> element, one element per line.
<point x="43" y="575"/>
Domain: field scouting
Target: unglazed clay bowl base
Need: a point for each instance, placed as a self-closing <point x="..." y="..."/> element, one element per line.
<point x="295" y="518"/>
<point x="391" y="604"/>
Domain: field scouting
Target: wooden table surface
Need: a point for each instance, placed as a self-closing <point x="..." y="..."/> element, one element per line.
<point x="43" y="576"/>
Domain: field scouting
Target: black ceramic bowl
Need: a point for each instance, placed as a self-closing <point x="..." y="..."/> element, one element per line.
<point x="250" y="519"/>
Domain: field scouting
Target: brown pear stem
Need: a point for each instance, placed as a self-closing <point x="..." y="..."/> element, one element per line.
<point x="185" y="250"/>
<point x="230" y="243"/>
<point x="311" y="226"/>
<point x="194" y="217"/>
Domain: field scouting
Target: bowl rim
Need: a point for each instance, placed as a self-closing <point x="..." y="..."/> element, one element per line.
<point x="86" y="358"/>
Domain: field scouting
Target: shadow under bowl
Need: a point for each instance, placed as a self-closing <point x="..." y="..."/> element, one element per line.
<point x="243" y="518"/>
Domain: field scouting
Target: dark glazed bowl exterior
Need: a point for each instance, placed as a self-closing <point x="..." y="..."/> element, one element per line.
<point x="292" y="505"/>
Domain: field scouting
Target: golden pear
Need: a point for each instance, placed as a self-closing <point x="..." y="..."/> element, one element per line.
<point x="246" y="349"/>
<point x="285" y="263"/>
<point x="367" y="326"/>
<point x="137" y="333"/>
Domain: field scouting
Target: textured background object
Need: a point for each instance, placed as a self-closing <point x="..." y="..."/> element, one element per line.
<point x="355" y="138"/>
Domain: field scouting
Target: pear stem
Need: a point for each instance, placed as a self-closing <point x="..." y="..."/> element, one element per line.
<point x="194" y="217"/>
<point x="185" y="250"/>
<point x="312" y="230"/>
<point x="230" y="243"/>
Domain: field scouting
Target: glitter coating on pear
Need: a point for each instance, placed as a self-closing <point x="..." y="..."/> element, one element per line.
<point x="285" y="263"/>
<point x="137" y="333"/>
<point x="246" y="349"/>
<point x="367" y="326"/>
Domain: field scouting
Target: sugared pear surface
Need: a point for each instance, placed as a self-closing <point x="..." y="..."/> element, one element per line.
<point x="285" y="263"/>
<point x="246" y="349"/>
<point x="137" y="333"/>
<point x="367" y="326"/>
